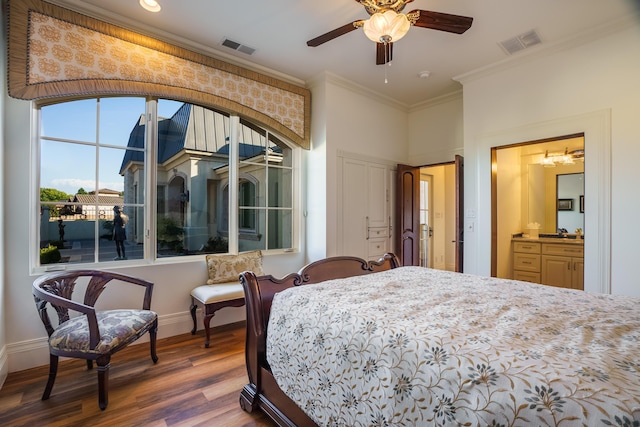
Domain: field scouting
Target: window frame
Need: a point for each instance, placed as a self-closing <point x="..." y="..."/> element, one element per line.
<point x="150" y="249"/>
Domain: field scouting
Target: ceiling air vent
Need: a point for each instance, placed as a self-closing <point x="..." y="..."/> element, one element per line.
<point x="520" y="42"/>
<point x="237" y="46"/>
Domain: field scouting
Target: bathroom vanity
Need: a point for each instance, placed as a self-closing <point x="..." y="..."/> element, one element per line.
<point x="555" y="261"/>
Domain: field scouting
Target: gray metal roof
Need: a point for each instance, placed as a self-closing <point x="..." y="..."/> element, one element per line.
<point x="193" y="128"/>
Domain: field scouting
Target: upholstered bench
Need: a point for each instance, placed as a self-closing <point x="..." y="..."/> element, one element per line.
<point x="223" y="288"/>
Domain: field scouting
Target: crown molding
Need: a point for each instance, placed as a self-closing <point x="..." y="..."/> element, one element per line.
<point x="545" y="50"/>
<point x="432" y="102"/>
<point x="334" y="79"/>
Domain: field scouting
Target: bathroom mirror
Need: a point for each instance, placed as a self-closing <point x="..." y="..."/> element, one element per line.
<point x="545" y="186"/>
<point x="570" y="201"/>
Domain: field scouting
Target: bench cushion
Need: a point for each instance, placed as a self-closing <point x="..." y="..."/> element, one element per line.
<point x="227" y="268"/>
<point x="208" y="294"/>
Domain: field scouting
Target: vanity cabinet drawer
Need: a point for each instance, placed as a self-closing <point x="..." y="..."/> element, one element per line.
<point x="526" y="276"/>
<point x="526" y="262"/>
<point x="526" y="247"/>
<point x="563" y="250"/>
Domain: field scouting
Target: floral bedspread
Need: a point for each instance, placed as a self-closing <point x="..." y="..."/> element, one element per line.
<point x="418" y="347"/>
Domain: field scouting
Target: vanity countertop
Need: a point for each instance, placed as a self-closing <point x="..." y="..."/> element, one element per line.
<point x="563" y="240"/>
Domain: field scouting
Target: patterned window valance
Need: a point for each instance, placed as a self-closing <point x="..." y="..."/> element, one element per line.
<point x="55" y="52"/>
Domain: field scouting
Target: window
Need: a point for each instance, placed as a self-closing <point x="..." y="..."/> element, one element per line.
<point x="173" y="183"/>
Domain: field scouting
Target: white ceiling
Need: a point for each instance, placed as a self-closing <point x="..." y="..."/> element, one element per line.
<point x="278" y="31"/>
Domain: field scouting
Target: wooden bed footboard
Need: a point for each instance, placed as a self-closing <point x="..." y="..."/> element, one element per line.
<point x="262" y="391"/>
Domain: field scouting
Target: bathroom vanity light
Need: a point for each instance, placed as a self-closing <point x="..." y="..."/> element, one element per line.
<point x="566" y="158"/>
<point x="547" y="161"/>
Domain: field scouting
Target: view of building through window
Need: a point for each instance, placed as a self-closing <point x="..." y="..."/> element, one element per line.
<point x="96" y="195"/>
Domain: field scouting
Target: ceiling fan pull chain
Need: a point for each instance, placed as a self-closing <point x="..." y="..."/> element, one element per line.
<point x="386" y="61"/>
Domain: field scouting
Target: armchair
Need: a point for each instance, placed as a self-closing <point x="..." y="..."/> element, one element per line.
<point x="91" y="335"/>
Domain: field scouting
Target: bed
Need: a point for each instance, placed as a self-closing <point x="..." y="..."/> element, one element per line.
<point x="374" y="343"/>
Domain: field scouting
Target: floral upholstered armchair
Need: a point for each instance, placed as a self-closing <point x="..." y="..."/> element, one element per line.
<point x="91" y="334"/>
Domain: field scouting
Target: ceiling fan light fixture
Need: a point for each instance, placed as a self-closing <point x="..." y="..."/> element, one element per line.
<point x="150" y="5"/>
<point x="387" y="26"/>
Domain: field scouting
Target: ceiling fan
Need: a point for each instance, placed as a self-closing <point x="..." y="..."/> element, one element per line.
<point x="388" y="25"/>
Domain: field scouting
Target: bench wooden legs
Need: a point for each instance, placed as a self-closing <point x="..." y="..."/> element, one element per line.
<point x="208" y="311"/>
<point x="193" y="309"/>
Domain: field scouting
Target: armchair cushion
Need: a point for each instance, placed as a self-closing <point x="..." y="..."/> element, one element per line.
<point x="117" y="328"/>
<point x="227" y="268"/>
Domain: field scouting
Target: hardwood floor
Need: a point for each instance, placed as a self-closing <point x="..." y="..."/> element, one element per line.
<point x="189" y="386"/>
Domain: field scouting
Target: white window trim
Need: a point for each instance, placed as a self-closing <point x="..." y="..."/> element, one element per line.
<point x="150" y="256"/>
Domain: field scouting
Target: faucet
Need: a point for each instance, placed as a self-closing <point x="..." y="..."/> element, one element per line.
<point x="562" y="231"/>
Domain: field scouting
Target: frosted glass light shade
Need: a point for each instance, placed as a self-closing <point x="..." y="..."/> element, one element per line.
<point x="388" y="26"/>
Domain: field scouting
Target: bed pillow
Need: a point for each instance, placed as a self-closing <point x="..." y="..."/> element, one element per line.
<point x="227" y="268"/>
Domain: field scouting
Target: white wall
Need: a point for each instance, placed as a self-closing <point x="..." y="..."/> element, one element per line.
<point x="589" y="84"/>
<point x="508" y="209"/>
<point x="436" y="131"/>
<point x="4" y="365"/>
<point x="315" y="168"/>
<point x="439" y="209"/>
<point x="450" y="215"/>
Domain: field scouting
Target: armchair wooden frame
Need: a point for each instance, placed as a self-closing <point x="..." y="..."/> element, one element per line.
<point x="57" y="289"/>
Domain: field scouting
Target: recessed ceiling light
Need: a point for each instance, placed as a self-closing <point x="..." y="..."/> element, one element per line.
<point x="150" y="5"/>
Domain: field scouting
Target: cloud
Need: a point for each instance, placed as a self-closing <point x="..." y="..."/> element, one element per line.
<point x="73" y="184"/>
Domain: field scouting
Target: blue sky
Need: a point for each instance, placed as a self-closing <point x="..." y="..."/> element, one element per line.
<point x="68" y="167"/>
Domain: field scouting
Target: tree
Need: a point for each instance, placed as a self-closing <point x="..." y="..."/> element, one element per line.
<point x="81" y="191"/>
<point x="53" y="195"/>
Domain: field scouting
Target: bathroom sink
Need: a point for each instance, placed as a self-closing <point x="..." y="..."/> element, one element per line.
<point x="559" y="236"/>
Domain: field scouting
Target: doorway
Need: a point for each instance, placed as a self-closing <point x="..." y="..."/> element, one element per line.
<point x="524" y="193"/>
<point x="429" y="215"/>
<point x="437" y="217"/>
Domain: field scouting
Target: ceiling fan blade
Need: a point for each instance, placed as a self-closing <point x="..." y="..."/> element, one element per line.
<point x="384" y="53"/>
<point x="443" y="21"/>
<point x="334" y="33"/>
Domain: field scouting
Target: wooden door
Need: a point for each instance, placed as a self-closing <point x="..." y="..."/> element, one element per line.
<point x="577" y="277"/>
<point x="408" y="215"/>
<point x="459" y="242"/>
